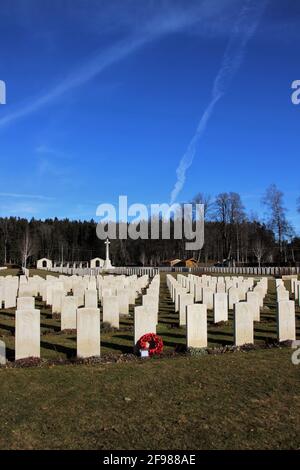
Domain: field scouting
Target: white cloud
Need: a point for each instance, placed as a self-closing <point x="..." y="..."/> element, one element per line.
<point x="242" y="32"/>
<point x="150" y="31"/>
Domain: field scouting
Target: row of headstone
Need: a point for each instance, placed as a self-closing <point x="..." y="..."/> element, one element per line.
<point x="295" y="289"/>
<point x="151" y="271"/>
<point x="81" y="310"/>
<point x="114" y="293"/>
<point x="218" y="294"/>
<point x="256" y="271"/>
<point x="88" y="290"/>
<point x="243" y="297"/>
<point x="27" y="333"/>
<point x="286" y="324"/>
<point x="146" y="315"/>
<point x="77" y="299"/>
<point x="82" y="271"/>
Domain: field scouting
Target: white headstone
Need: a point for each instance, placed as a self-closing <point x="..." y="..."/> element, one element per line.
<point x="111" y="310"/>
<point x="198" y="292"/>
<point x="151" y="301"/>
<point x="196" y="333"/>
<point x="91" y="298"/>
<point x="105" y="291"/>
<point x="233" y="297"/>
<point x="243" y="324"/>
<point x="220" y="307"/>
<point x="184" y="300"/>
<point x="254" y="302"/>
<point x="261" y="294"/>
<point x="2" y="353"/>
<point x="27" y="333"/>
<point x="282" y="294"/>
<point x="286" y="320"/>
<point x="26" y="303"/>
<point x="296" y="285"/>
<point x="178" y="291"/>
<point x="1" y="295"/>
<point x="88" y="332"/>
<point x="144" y="322"/>
<point x="78" y="292"/>
<point x="221" y="288"/>
<point x="49" y="289"/>
<point x="123" y="302"/>
<point x="208" y="297"/>
<point x="68" y="313"/>
<point x="10" y="295"/>
<point x="57" y="296"/>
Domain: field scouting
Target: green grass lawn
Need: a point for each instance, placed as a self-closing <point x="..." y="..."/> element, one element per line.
<point x="234" y="400"/>
<point x="9" y="272"/>
<point x="227" y="401"/>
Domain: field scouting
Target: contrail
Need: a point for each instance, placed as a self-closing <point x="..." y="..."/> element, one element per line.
<point x="243" y="30"/>
<point x="26" y="196"/>
<point x="102" y="61"/>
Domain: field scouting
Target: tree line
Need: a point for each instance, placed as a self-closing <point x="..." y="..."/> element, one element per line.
<point x="232" y="237"/>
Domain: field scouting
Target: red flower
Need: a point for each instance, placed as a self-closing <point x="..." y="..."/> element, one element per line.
<point x="152" y="342"/>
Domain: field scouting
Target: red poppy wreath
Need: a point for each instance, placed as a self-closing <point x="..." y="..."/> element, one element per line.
<point x="152" y="343"/>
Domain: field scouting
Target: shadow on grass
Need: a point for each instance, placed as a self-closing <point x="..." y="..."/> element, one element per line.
<point x="7" y="328"/>
<point x="69" y="352"/>
<point x="262" y="337"/>
<point x="220" y="341"/>
<point x="9" y="314"/>
<point x="10" y="354"/>
<point x="50" y="326"/>
<point x="46" y="316"/>
<point x="265" y="331"/>
<point x="126" y="337"/>
<point x="169" y="322"/>
<point x="173" y="335"/>
<point x="173" y="344"/>
<point x="118" y="347"/>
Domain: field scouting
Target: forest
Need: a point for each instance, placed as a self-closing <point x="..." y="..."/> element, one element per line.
<point x="232" y="238"/>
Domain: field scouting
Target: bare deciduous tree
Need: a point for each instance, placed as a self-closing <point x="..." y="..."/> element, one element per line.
<point x="273" y="200"/>
<point x="26" y="247"/>
<point x="204" y="199"/>
<point x="5" y="235"/>
<point x="230" y="212"/>
<point x="259" y="250"/>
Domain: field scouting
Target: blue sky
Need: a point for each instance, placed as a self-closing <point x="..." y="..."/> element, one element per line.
<point x="104" y="97"/>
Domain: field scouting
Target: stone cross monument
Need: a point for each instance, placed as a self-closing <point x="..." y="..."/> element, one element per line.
<point x="107" y="262"/>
